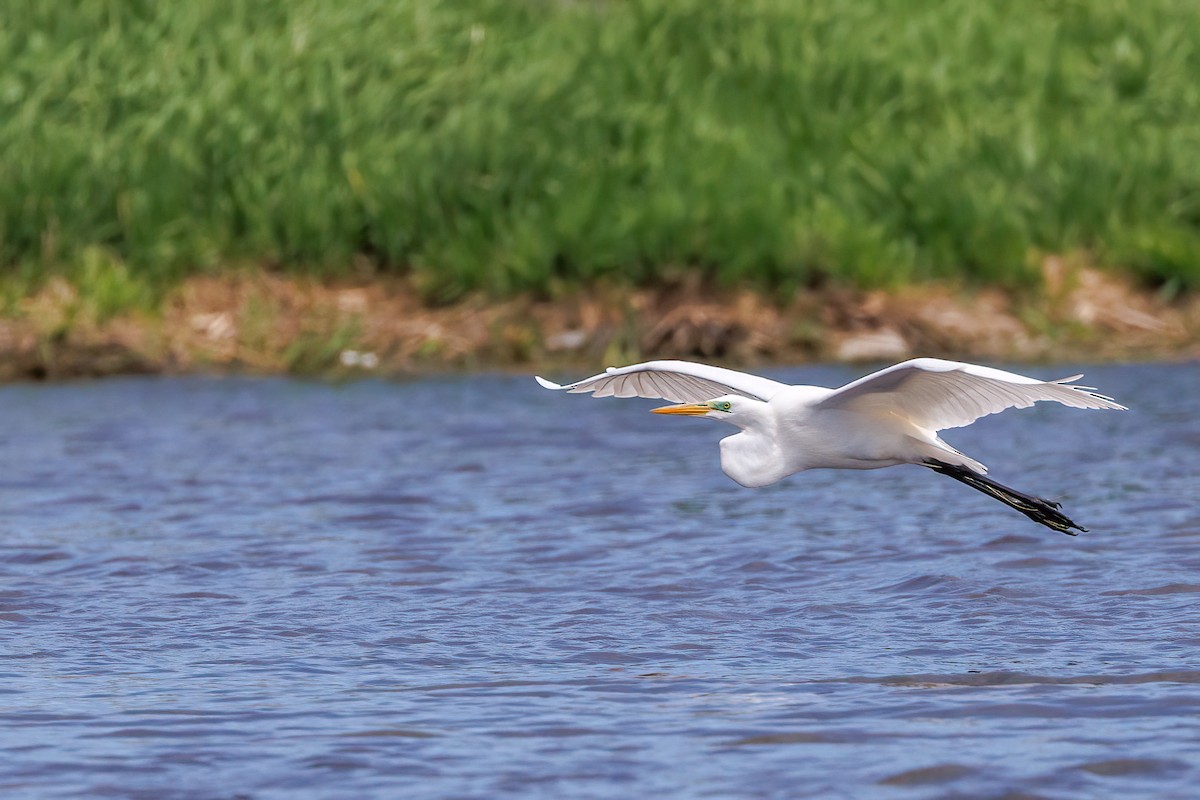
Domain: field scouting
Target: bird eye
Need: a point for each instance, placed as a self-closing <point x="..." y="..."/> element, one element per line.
<point x="726" y="405"/>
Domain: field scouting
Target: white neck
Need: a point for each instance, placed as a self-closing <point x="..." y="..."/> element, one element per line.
<point x="753" y="457"/>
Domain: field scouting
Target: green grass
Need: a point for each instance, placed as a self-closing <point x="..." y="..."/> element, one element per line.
<point x="510" y="145"/>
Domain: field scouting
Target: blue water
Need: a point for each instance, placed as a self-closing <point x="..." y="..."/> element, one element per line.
<point x="474" y="588"/>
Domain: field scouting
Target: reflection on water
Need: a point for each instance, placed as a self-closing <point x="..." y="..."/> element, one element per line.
<point x="475" y="588"/>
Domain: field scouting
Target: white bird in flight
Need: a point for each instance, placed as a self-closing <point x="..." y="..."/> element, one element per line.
<point x="889" y="417"/>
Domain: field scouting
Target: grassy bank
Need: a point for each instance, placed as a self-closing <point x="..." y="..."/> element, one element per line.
<point x="510" y="145"/>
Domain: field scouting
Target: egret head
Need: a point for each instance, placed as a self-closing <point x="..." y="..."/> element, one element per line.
<point x="730" y="408"/>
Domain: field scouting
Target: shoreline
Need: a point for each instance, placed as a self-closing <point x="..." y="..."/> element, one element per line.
<point x="255" y="322"/>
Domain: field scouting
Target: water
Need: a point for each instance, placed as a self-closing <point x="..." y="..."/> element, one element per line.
<point x="474" y="588"/>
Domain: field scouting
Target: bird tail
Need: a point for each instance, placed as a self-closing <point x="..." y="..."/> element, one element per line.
<point x="1037" y="509"/>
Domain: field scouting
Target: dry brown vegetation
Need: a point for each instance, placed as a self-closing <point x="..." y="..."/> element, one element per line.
<point x="269" y="323"/>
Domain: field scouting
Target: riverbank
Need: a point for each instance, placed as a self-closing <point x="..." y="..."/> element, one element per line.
<point x="267" y="323"/>
<point x="494" y="184"/>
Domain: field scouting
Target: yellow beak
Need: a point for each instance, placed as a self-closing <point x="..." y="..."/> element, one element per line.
<point x="687" y="410"/>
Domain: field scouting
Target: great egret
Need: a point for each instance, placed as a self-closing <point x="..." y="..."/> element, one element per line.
<point x="889" y="417"/>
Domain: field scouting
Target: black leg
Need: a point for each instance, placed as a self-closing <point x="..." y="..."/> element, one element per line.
<point x="1037" y="509"/>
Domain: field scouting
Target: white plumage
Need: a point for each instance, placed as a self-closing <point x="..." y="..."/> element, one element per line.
<point x="677" y="381"/>
<point x="886" y="418"/>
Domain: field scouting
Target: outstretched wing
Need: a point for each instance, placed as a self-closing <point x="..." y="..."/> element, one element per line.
<point x="677" y="381"/>
<point x="937" y="394"/>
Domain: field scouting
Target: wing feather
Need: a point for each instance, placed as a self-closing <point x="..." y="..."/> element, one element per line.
<point x="937" y="394"/>
<point x="677" y="381"/>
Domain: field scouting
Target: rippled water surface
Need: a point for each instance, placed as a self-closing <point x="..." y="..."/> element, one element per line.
<point x="474" y="588"/>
